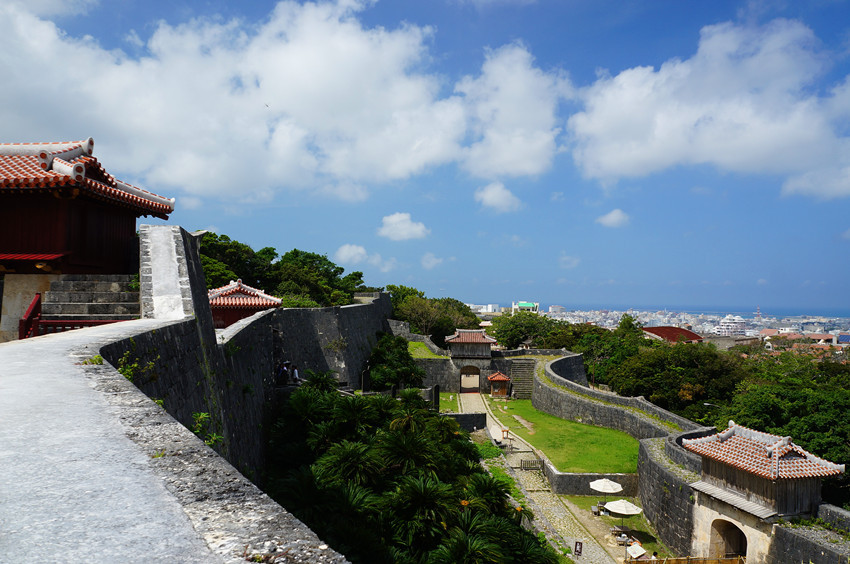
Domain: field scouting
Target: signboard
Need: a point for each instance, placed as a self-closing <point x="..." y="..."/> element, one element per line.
<point x="577" y="551"/>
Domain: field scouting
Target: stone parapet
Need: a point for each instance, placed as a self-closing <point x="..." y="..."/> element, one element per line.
<point x="572" y="483"/>
<point x="837" y="517"/>
<point x="667" y="498"/>
<point x="812" y="545"/>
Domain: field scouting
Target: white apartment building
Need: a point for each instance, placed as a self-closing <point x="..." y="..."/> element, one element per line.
<point x="533" y="307"/>
<point x="486" y="308"/>
<point x="731" y="325"/>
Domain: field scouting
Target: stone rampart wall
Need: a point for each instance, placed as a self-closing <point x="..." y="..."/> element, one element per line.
<point x="469" y="421"/>
<point x="666" y="497"/>
<point x="446" y="372"/>
<point x="569" y="483"/>
<point x="570" y="368"/>
<point x="402" y="329"/>
<point x="835" y="516"/>
<point x="576" y="407"/>
<point x="529" y="352"/>
<point x="663" y="477"/>
<point x="679" y="455"/>
<point x="803" y="545"/>
<point x="339" y="339"/>
<point x="612" y="401"/>
<point x="229" y="374"/>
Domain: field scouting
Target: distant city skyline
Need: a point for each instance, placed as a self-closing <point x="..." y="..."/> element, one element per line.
<point x="575" y="153"/>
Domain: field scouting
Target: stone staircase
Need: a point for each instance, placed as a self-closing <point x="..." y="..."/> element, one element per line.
<point x="91" y="297"/>
<point x="522" y="377"/>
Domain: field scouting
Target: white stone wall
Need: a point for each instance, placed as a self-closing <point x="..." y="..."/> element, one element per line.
<point x="759" y="534"/>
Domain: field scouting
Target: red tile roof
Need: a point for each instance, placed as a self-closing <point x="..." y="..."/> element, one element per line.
<point x="673" y="334"/>
<point x="238" y="295"/>
<point x="31" y="256"/>
<point x="498" y="377"/>
<point x="42" y="167"/>
<point x="762" y="454"/>
<point x="470" y="336"/>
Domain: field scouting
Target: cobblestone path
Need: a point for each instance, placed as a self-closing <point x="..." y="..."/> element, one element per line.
<point x="537" y="488"/>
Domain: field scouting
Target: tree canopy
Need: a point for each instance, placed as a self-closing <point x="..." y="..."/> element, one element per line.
<point x="302" y="279"/>
<point x="391" y="364"/>
<point x="385" y="480"/>
<point x="437" y="317"/>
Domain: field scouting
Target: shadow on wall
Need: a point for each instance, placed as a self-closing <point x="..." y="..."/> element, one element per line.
<point x="226" y="378"/>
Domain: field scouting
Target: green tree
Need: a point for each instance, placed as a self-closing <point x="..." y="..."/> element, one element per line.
<point x="399" y="293"/>
<point x="391" y="364"/>
<point x="512" y="330"/>
<point x="302" y="278"/>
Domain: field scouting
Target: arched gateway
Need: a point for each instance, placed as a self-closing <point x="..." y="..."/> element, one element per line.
<point x="748" y="480"/>
<point x="470" y="380"/>
<point x="727" y="540"/>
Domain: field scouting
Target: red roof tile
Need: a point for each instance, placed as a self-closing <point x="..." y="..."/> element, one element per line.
<point x="673" y="334"/>
<point x="498" y="377"/>
<point x="470" y="336"/>
<point x="31" y="167"/>
<point x="238" y="295"/>
<point x="31" y="256"/>
<point x="762" y="454"/>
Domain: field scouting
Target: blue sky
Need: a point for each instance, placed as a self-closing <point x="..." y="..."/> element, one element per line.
<point x="577" y="153"/>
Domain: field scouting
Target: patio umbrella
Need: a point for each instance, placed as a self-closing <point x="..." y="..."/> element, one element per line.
<point x="623" y="508"/>
<point x="606" y="486"/>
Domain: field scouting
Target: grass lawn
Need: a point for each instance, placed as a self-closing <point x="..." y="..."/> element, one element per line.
<point x="571" y="446"/>
<point x="448" y="405"/>
<point x="419" y="350"/>
<point x="642" y="531"/>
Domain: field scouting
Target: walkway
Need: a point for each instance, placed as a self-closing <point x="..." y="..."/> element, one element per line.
<point x="93" y="471"/>
<point x="537" y="488"/>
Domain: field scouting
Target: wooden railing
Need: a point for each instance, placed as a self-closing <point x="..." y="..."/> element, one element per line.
<point x="32" y="325"/>
<point x="28" y="325"/>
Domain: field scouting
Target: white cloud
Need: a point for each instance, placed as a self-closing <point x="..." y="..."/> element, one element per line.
<point x="742" y="103"/>
<point x="429" y="261"/>
<point x="309" y="99"/>
<point x="614" y="218"/>
<point x="846" y="234"/>
<point x="513" y="107"/>
<point x="54" y="7"/>
<point x="306" y="99"/>
<point x="567" y="261"/>
<point x="350" y="254"/>
<point x="381" y="264"/>
<point x="399" y="227"/>
<point x="761" y="282"/>
<point x="497" y="197"/>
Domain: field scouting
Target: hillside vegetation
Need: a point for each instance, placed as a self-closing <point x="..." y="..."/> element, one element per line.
<point x="386" y="480"/>
<point x="787" y="393"/>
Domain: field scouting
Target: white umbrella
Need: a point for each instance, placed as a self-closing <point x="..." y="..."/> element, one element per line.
<point x="606" y="486"/>
<point x="636" y="550"/>
<point x="623" y="507"/>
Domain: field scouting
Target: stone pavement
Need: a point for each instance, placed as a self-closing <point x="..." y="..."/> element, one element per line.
<point x="537" y="488"/>
<point x="91" y="470"/>
<point x="74" y="487"/>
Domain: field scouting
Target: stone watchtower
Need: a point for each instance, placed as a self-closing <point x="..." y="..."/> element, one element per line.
<point x="749" y="480"/>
